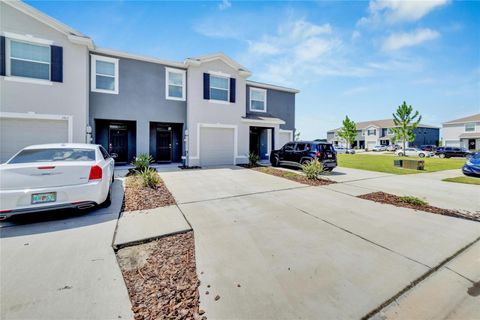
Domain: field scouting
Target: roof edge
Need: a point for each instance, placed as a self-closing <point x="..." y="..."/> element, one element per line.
<point x="139" y="57"/>
<point x="271" y="86"/>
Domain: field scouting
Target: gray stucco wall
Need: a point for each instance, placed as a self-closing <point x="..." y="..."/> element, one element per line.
<point x="141" y="98"/>
<point x="280" y="104"/>
<point x="69" y="97"/>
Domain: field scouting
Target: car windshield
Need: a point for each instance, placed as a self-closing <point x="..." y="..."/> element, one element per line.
<point x="55" y="154"/>
<point x="476" y="155"/>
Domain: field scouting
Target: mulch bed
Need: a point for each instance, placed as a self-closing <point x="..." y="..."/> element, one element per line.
<point x="138" y="197"/>
<point x="161" y="278"/>
<point x="293" y="176"/>
<point x="388" y="198"/>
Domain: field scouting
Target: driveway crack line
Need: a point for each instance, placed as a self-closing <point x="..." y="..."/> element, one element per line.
<point x="461" y="275"/>
<point x="363" y="238"/>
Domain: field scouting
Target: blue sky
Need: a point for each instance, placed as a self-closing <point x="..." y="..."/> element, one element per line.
<point x="355" y="58"/>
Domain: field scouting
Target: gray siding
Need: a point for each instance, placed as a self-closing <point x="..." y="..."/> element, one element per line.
<point x="141" y="98"/>
<point x="280" y="104"/>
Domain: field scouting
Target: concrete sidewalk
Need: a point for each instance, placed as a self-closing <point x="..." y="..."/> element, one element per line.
<point x="452" y="292"/>
<point x="64" y="269"/>
<point x="138" y="226"/>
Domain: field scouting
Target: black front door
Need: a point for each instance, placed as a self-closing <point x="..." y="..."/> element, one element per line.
<point x="118" y="142"/>
<point x="254" y="141"/>
<point x="471" y="144"/>
<point x="164" y="146"/>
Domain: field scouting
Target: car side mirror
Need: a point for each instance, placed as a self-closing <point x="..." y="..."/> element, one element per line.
<point x="114" y="155"/>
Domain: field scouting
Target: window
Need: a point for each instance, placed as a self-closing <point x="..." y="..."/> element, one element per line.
<point x="219" y="88"/>
<point x="289" y="147"/>
<point x="389" y="131"/>
<point x="104" y="153"/>
<point x="258" y="100"/>
<point x="104" y="74"/>
<point x="58" y="154"/>
<point x="175" y="84"/>
<point x="372" y="132"/>
<point x="29" y="60"/>
<point x="469" y="127"/>
<point x="300" y="146"/>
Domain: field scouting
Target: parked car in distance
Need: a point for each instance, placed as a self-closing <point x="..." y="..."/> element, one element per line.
<point x="448" y="152"/>
<point x="379" y="148"/>
<point x="55" y="176"/>
<point x="472" y="165"/>
<point x="392" y="147"/>
<point x="428" y="147"/>
<point x="297" y="153"/>
<point x="344" y="150"/>
<point x="414" y="152"/>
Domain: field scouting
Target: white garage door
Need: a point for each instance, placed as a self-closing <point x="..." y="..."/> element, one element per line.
<point x="216" y="146"/>
<point x="16" y="134"/>
<point x="370" y="145"/>
<point x="283" y="138"/>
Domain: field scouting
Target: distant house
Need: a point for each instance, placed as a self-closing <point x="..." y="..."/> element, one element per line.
<point x="463" y="132"/>
<point x="379" y="132"/>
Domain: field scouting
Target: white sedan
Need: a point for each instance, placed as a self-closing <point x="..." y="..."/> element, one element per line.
<point x="55" y="176"/>
<point x="414" y="152"/>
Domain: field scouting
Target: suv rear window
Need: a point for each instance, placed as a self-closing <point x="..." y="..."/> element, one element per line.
<point x="325" y="147"/>
<point x="60" y="154"/>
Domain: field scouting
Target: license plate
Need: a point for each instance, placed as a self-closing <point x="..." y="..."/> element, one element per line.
<point x="329" y="155"/>
<point x="44" y="197"/>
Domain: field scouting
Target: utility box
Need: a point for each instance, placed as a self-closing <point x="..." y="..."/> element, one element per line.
<point x="414" y="164"/>
<point x="398" y="163"/>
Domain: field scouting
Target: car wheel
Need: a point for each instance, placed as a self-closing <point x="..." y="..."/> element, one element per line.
<point x="305" y="161"/>
<point x="421" y="155"/>
<point x="275" y="161"/>
<point x="328" y="169"/>
<point x="441" y="155"/>
<point x="108" y="201"/>
<point x="113" y="176"/>
<point x="400" y="154"/>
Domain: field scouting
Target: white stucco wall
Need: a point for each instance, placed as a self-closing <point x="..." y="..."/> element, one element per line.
<point x="201" y="111"/>
<point x="67" y="98"/>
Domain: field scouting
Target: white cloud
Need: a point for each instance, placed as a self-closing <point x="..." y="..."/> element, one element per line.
<point x="263" y="48"/>
<point x="401" y="40"/>
<point x="225" y="4"/>
<point x="394" y="11"/>
<point x="356" y="34"/>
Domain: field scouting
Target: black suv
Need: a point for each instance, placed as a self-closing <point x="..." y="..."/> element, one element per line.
<point x="300" y="152"/>
<point x="447" y="152"/>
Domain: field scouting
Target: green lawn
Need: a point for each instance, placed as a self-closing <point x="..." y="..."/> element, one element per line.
<point x="385" y="163"/>
<point x="464" y="179"/>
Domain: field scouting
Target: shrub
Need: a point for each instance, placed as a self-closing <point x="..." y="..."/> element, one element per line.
<point x="414" y="201"/>
<point x="150" y="178"/>
<point x="312" y="169"/>
<point x="142" y="162"/>
<point x="253" y="159"/>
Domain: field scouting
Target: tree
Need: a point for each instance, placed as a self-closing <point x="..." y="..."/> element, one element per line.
<point x="405" y="121"/>
<point x="348" y="132"/>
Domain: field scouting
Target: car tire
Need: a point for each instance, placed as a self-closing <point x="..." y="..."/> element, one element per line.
<point x="400" y="154"/>
<point x="441" y="155"/>
<point x="328" y="169"/>
<point x="275" y="161"/>
<point x="305" y="161"/>
<point x="422" y="155"/>
<point x="108" y="201"/>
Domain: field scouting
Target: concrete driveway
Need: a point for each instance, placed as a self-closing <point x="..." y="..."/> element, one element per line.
<point x="271" y="248"/>
<point x="63" y="268"/>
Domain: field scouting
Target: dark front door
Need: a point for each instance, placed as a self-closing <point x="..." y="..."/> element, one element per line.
<point x="164" y="146"/>
<point x="471" y="144"/>
<point x="118" y="142"/>
<point x="254" y="142"/>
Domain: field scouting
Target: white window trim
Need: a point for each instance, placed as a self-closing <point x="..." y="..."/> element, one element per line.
<point x="8" y="58"/>
<point x="93" y="73"/>
<point x="264" y="101"/>
<point x="228" y="89"/>
<point x="470" y="123"/>
<point x="27" y="38"/>
<point x="167" y="80"/>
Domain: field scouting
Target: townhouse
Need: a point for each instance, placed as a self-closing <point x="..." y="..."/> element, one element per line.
<point x="463" y="132"/>
<point x="57" y="86"/>
<point x="379" y="132"/>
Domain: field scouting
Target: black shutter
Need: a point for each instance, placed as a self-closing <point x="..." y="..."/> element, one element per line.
<point x="233" y="88"/>
<point x="2" y="56"/>
<point x="206" y="86"/>
<point x="56" y="64"/>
